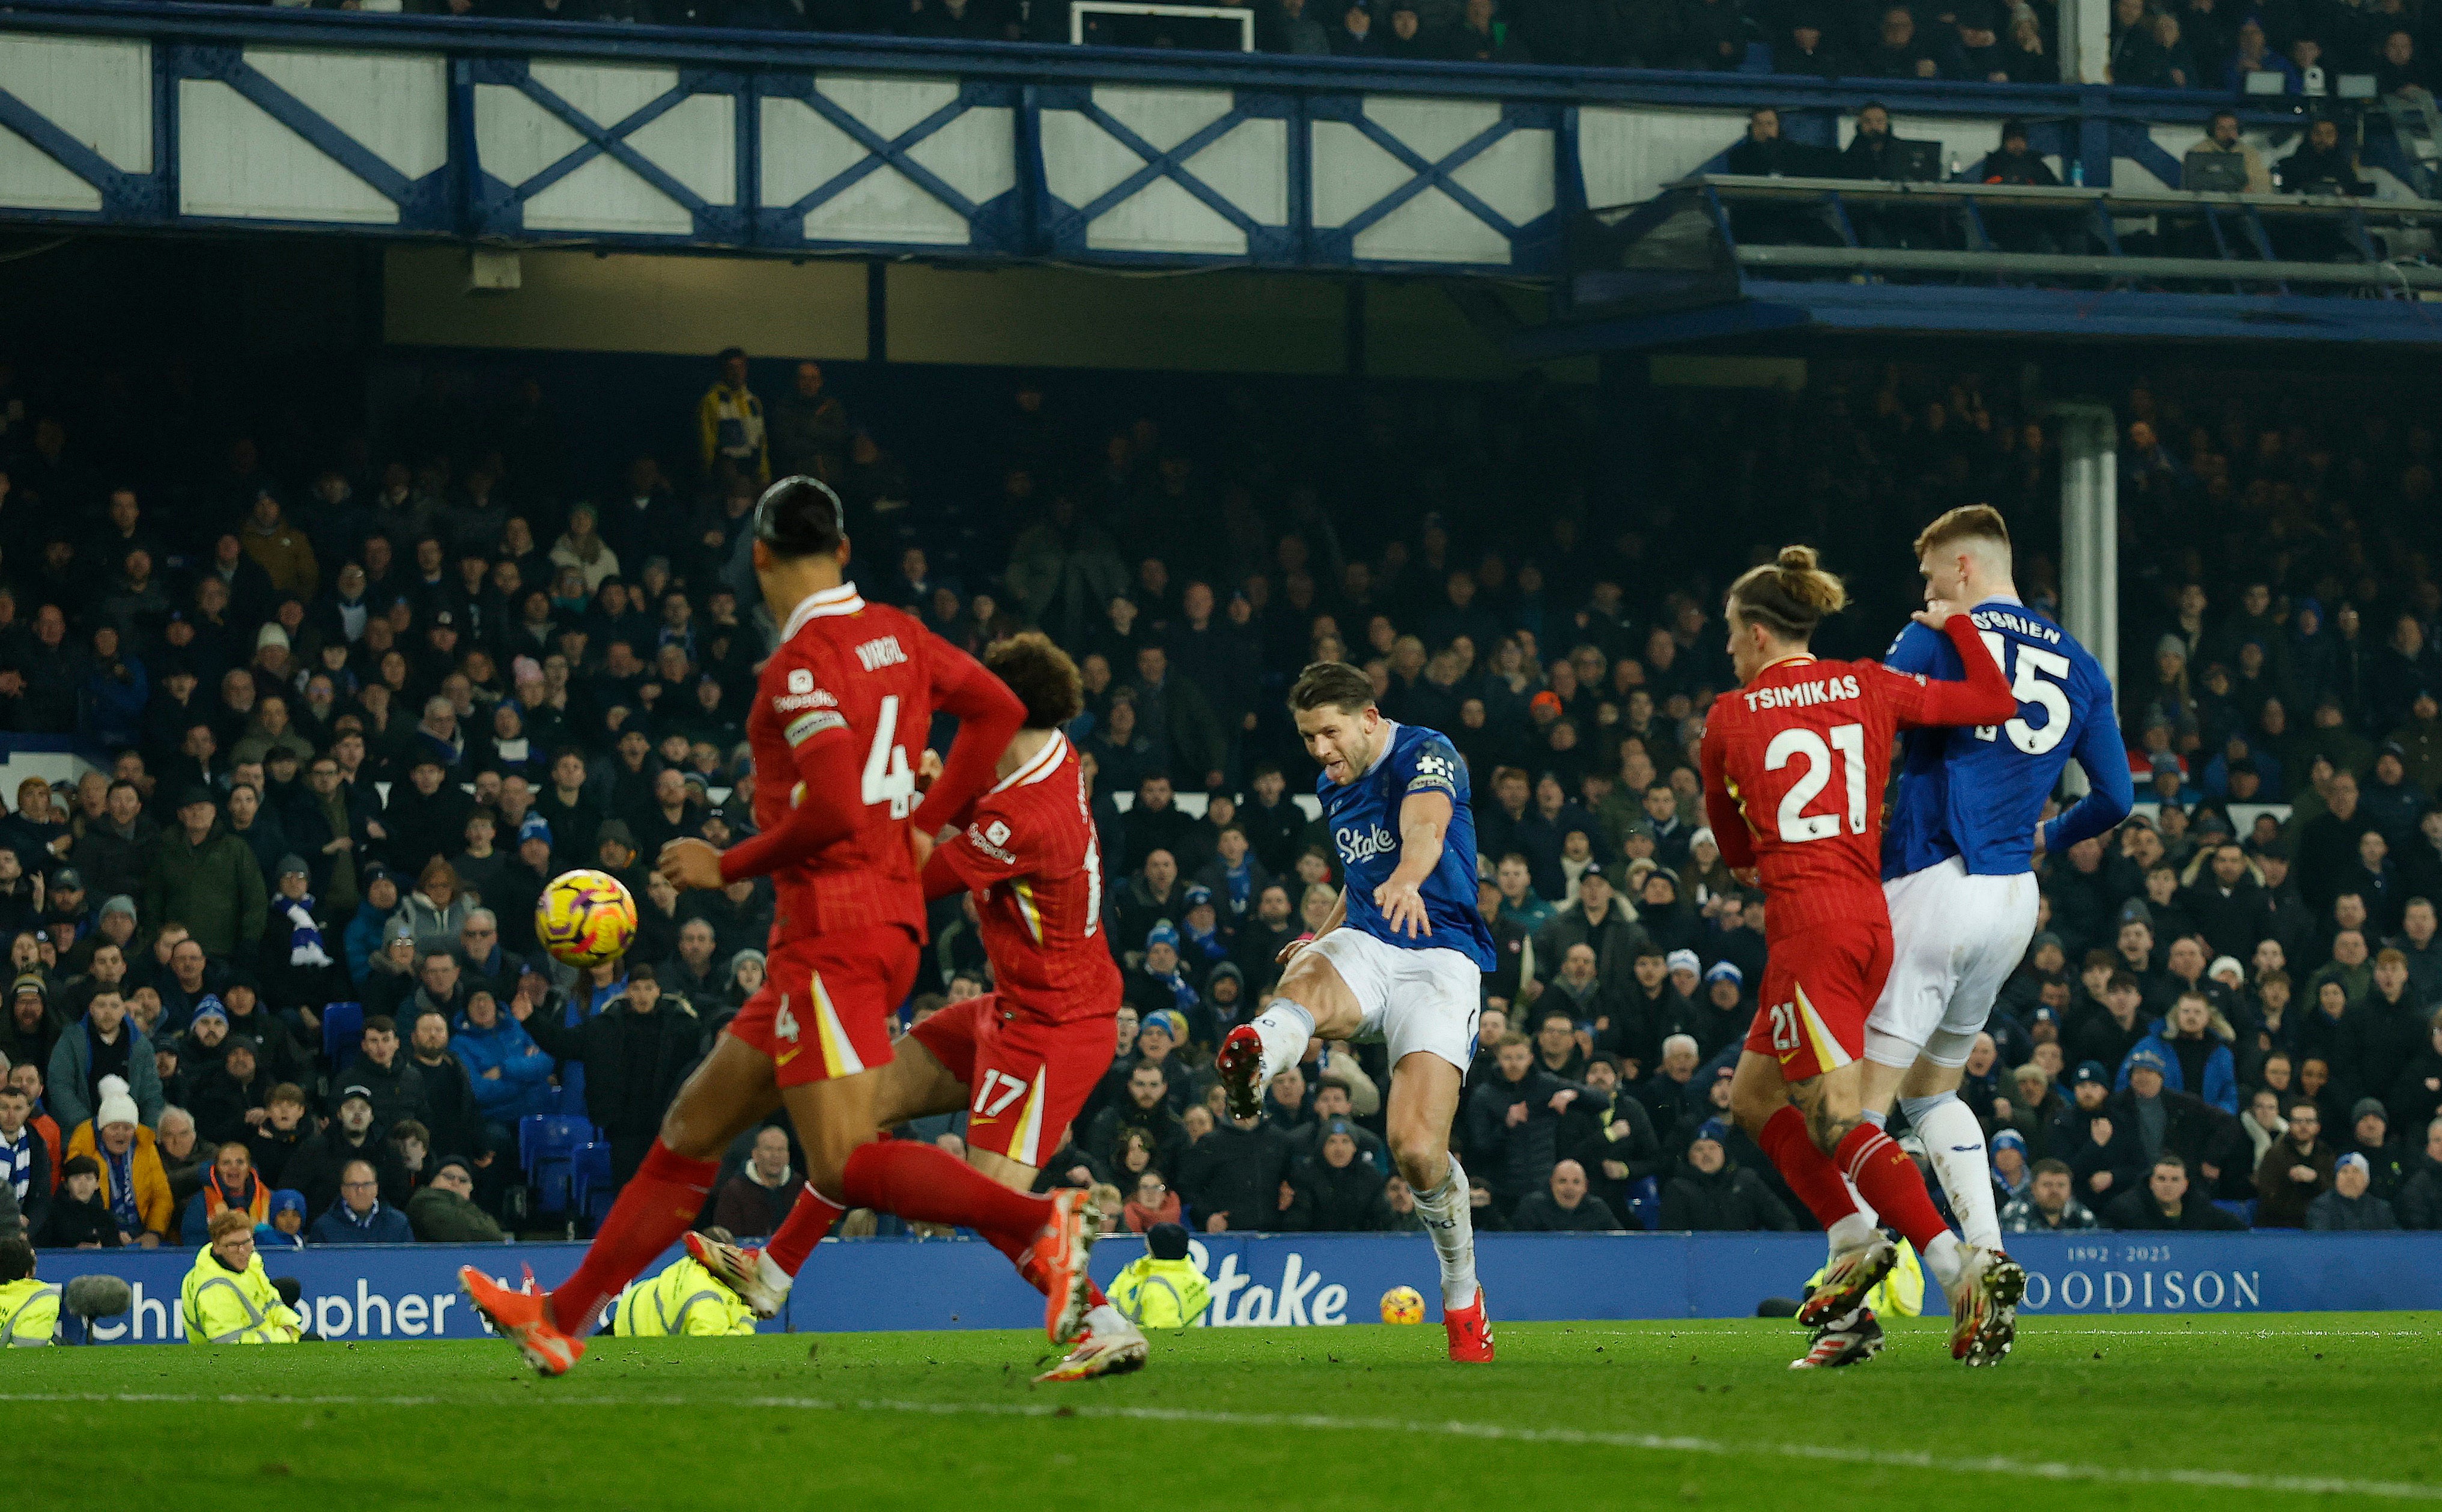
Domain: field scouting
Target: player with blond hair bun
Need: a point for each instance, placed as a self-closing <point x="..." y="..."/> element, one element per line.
<point x="1794" y="761"/>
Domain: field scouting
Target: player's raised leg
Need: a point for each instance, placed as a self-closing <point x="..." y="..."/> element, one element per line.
<point x="730" y="1092"/>
<point x="1311" y="1002"/>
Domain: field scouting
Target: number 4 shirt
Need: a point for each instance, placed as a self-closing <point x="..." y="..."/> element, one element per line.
<point x="865" y="676"/>
<point x="1795" y="765"/>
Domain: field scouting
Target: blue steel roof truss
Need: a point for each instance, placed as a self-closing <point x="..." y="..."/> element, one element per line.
<point x="500" y="207"/>
<point x="1066" y="229"/>
<point x="992" y="225"/>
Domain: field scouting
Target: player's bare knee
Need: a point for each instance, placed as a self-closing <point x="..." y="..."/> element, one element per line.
<point x="1423" y="1161"/>
<point x="690" y="1133"/>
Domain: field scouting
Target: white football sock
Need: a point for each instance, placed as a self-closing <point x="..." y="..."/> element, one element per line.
<point x="1954" y="1142"/>
<point x="1106" y="1319"/>
<point x="1942" y="1259"/>
<point x="1448" y="1218"/>
<point x="1285" y="1028"/>
<point x="1849" y="1232"/>
<point x="771" y="1274"/>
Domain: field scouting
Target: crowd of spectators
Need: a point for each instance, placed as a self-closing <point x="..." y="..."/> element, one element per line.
<point x="2210" y="44"/>
<point x="336" y="759"/>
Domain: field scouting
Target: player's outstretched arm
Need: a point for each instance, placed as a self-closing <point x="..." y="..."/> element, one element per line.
<point x="2110" y="791"/>
<point x="988" y="714"/>
<point x="1424" y="820"/>
<point x="827" y="810"/>
<point x="1982" y="698"/>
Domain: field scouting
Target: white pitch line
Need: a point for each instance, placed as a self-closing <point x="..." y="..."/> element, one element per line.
<point x="1655" y="1442"/>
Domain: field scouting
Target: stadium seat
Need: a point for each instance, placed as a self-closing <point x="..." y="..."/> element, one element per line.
<point x="547" y="1146"/>
<point x="2242" y="1208"/>
<point x="591" y="1187"/>
<point x="570" y="1100"/>
<point x="343" y="1027"/>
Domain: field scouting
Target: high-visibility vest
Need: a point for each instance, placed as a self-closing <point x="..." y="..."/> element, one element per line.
<point x="1160" y="1293"/>
<point x="30" y="1313"/>
<point x="221" y="1306"/>
<point x="1900" y="1294"/>
<point x="685" y="1300"/>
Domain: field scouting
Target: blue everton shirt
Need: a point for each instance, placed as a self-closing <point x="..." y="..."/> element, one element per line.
<point x="1976" y="792"/>
<point x="1364" y="819"/>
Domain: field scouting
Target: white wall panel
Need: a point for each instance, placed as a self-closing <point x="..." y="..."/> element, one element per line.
<point x="98" y="91"/>
<point x="235" y="160"/>
<point x="394" y="104"/>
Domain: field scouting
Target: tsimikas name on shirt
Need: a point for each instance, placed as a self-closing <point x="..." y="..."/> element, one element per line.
<point x="1802" y="695"/>
<point x="2002" y="619"/>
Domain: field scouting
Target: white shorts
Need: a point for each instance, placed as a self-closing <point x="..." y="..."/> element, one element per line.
<point x="1955" y="940"/>
<point x="1412" y="999"/>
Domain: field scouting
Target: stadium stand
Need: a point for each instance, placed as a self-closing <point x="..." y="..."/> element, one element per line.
<point x="475" y="626"/>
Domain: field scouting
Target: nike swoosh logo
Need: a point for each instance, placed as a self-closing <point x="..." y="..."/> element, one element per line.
<point x="1962" y="1149"/>
<point x="785" y="1057"/>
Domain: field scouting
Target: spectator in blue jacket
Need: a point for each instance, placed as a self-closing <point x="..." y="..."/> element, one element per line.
<point x="364" y="935"/>
<point x="2194" y="1058"/>
<point x="360" y="1217"/>
<point x="511" y="1074"/>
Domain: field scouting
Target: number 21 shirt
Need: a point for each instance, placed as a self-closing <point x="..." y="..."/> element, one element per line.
<point x="1795" y="765"/>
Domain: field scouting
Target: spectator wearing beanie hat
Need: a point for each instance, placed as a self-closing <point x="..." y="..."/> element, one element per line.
<point x="78" y="1217"/>
<point x="2349" y="1206"/>
<point x="135" y="1186"/>
<point x="443" y="1210"/>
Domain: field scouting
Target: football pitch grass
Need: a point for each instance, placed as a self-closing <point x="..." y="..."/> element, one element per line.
<point x="2090" y="1411"/>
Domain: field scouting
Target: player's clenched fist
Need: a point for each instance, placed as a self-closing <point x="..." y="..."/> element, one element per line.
<point x="687" y="862"/>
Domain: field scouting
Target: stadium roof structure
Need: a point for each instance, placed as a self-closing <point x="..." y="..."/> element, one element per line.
<point x="1722" y="257"/>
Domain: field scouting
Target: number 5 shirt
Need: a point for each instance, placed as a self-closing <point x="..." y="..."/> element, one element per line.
<point x="1795" y="765"/>
<point x="1978" y="792"/>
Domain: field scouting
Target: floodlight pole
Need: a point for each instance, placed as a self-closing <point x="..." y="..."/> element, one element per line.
<point x="2090" y="534"/>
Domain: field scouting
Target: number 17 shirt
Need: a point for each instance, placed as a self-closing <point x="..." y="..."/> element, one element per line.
<point x="1795" y="765"/>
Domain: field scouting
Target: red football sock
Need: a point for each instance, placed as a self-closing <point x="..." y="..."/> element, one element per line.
<point x="809" y="1219"/>
<point x="654" y="1208"/>
<point x="1809" y="1171"/>
<point x="925" y="1183"/>
<point x="1889" y="1180"/>
<point x="1017" y="1249"/>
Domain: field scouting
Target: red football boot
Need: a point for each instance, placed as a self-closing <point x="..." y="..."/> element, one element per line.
<point x="1470" y="1331"/>
<point x="1058" y="1255"/>
<point x="524" y="1317"/>
<point x="1239" y="1063"/>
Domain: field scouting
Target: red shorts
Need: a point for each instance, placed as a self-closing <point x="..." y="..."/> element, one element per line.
<point x="1818" y="986"/>
<point x="1027" y="1075"/>
<point x="824" y="1008"/>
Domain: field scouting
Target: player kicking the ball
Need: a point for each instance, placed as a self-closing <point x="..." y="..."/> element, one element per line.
<point x="1021" y="1058"/>
<point x="1402" y="956"/>
<point x="1794" y="762"/>
<point x="1958" y="871"/>
<point x="842" y="836"/>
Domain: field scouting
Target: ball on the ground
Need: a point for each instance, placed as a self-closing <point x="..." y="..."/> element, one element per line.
<point x="1401" y="1305"/>
<point x="585" y="918"/>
